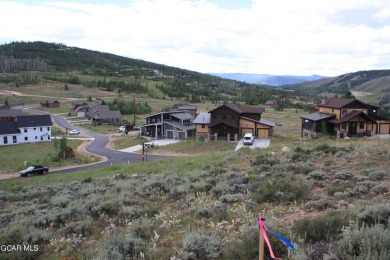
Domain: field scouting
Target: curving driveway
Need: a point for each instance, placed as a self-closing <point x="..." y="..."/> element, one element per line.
<point x="99" y="147"/>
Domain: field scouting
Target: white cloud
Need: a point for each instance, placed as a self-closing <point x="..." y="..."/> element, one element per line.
<point x="279" y="37"/>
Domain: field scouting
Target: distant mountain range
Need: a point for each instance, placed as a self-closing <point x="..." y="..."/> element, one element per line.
<point x="268" y="79"/>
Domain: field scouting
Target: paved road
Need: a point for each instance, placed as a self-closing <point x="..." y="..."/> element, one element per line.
<point x="98" y="147"/>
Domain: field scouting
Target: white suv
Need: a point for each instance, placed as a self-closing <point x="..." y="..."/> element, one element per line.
<point x="248" y="139"/>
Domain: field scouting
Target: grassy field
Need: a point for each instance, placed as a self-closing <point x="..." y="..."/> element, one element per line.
<point x="12" y="157"/>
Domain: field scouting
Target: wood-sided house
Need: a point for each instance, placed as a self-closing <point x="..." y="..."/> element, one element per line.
<point x="101" y="114"/>
<point x="50" y="103"/>
<point x="344" y="117"/>
<point x="230" y="122"/>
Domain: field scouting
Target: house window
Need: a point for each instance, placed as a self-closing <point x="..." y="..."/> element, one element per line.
<point x="14" y="139"/>
<point x="36" y="137"/>
<point x="343" y="126"/>
<point x="25" y="130"/>
<point x="48" y="138"/>
<point x="5" y="140"/>
<point x="153" y="120"/>
<point x="332" y="109"/>
<point x="41" y="129"/>
<point x="361" y="125"/>
<point x="306" y="120"/>
<point x="26" y="138"/>
<point x="41" y="138"/>
<point x="35" y="128"/>
<point x="374" y="111"/>
<point x="224" y="117"/>
<point x="203" y="126"/>
<point x="48" y="129"/>
<point x="344" y="112"/>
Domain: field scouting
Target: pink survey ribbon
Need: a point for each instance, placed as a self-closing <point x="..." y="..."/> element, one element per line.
<point x="264" y="234"/>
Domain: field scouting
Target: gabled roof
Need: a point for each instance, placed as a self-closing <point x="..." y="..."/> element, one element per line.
<point x="317" y="116"/>
<point x="351" y="115"/>
<point x="182" y="115"/>
<point x="202" y="118"/>
<point x="10" y="112"/>
<point x="35" y="120"/>
<point x="342" y="102"/>
<point x="241" y="110"/>
<point x="104" y="114"/>
<point x="178" y="125"/>
<point x="261" y="121"/>
<point x="7" y="128"/>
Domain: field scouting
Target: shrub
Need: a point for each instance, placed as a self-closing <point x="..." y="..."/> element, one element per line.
<point x="364" y="243"/>
<point x="229" y="198"/>
<point x="317" y="175"/>
<point x="374" y="214"/>
<point x="200" y="246"/>
<point x="264" y="159"/>
<point x="381" y="188"/>
<point x="320" y="204"/>
<point x="377" y="175"/>
<point x="246" y="246"/>
<point x="217" y="211"/>
<point x="344" y="175"/>
<point x="114" y="247"/>
<point x="280" y="188"/>
<point x="340" y="187"/>
<point x="320" y="228"/>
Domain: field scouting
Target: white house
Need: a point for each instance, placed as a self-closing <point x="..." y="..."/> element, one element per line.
<point x="26" y="129"/>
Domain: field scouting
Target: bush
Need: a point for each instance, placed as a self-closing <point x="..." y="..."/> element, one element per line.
<point x="364" y="243"/>
<point x="317" y="175"/>
<point x="213" y="210"/>
<point x="377" y="175"/>
<point x="245" y="247"/>
<point x="280" y="188"/>
<point x="320" y="228"/>
<point x="342" y="186"/>
<point x="199" y="246"/>
<point x="374" y="214"/>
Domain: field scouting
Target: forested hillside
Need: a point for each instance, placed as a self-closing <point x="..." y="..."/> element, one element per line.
<point x="51" y="60"/>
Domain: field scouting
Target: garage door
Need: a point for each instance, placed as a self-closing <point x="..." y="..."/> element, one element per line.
<point x="181" y="135"/>
<point x="263" y="133"/>
<point x="246" y="131"/>
<point x="170" y="134"/>
<point x="385" y="129"/>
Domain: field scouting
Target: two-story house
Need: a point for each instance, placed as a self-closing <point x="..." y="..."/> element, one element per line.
<point x="26" y="129"/>
<point x="230" y="122"/>
<point x="173" y="124"/>
<point x="344" y="117"/>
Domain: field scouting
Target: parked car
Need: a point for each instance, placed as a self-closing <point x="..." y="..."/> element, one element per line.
<point x="122" y="129"/>
<point x="74" y="132"/>
<point x="37" y="169"/>
<point x="248" y="139"/>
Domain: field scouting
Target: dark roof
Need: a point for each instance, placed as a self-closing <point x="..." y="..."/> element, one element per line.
<point x="7" y="128"/>
<point x="351" y="115"/>
<point x="31" y="121"/>
<point x="10" y="112"/>
<point x="178" y="125"/>
<point x="182" y="115"/>
<point x="342" y="102"/>
<point x="202" y="118"/>
<point x="317" y="116"/>
<point x="241" y="110"/>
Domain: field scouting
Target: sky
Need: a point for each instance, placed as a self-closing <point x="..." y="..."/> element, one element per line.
<point x="280" y="37"/>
